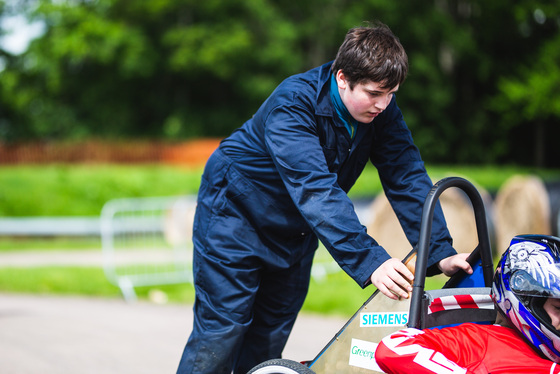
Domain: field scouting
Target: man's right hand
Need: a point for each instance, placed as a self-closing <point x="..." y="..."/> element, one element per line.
<point x="393" y="279"/>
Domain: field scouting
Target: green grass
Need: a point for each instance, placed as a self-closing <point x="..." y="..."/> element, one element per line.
<point x="83" y="189"/>
<point x="62" y="190"/>
<point x="336" y="295"/>
<point x="84" y="281"/>
<point x="57" y="280"/>
<point x="50" y="243"/>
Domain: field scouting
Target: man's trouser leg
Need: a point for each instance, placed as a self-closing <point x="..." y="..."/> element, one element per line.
<point x="222" y="313"/>
<point x="279" y="299"/>
<point x="241" y="331"/>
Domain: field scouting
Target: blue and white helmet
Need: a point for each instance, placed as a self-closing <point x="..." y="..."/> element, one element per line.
<point x="529" y="273"/>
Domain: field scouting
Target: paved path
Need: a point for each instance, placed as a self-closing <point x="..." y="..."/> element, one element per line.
<point x="78" y="335"/>
<point x="55" y="335"/>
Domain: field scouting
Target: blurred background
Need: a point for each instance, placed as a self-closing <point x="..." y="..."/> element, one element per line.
<point x="102" y="100"/>
<point x="110" y="108"/>
<point x="483" y="83"/>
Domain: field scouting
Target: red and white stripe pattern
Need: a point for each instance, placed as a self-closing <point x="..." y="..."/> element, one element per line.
<point x="461" y="302"/>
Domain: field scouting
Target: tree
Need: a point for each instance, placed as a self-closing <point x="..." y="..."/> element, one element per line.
<point x="130" y="68"/>
<point x="527" y="101"/>
<point x="183" y="68"/>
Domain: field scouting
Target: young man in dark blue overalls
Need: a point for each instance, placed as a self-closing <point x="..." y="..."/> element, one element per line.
<point x="279" y="183"/>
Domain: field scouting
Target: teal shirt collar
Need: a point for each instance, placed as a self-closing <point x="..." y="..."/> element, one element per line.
<point x="350" y="123"/>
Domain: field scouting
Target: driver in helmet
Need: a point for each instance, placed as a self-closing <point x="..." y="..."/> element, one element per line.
<point x="525" y="337"/>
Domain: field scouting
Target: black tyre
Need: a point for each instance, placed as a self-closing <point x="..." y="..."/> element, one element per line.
<point x="281" y="366"/>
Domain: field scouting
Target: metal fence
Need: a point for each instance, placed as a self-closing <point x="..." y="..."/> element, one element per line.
<point x="147" y="242"/>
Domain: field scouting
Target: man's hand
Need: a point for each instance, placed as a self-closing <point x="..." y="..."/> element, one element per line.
<point x="452" y="264"/>
<point x="393" y="279"/>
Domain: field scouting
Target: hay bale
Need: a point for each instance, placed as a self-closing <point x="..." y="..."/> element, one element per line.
<point x="386" y="229"/>
<point x="553" y="189"/>
<point x="458" y="212"/>
<point x="522" y="206"/>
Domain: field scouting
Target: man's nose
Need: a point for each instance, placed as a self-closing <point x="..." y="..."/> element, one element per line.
<point x="383" y="102"/>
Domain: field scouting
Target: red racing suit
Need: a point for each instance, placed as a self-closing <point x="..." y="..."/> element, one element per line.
<point x="466" y="348"/>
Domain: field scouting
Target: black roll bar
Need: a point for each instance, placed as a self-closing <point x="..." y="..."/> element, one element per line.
<point x="483" y="250"/>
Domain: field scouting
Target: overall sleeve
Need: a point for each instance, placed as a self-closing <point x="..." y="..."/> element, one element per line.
<point x="293" y="142"/>
<point x="406" y="182"/>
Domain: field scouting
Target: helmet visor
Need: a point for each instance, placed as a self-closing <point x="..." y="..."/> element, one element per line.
<point x="537" y="281"/>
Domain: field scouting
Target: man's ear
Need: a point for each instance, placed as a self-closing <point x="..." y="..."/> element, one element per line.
<point x="341" y="81"/>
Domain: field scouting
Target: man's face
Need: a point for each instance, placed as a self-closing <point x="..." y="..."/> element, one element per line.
<point x="552" y="307"/>
<point x="365" y="101"/>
